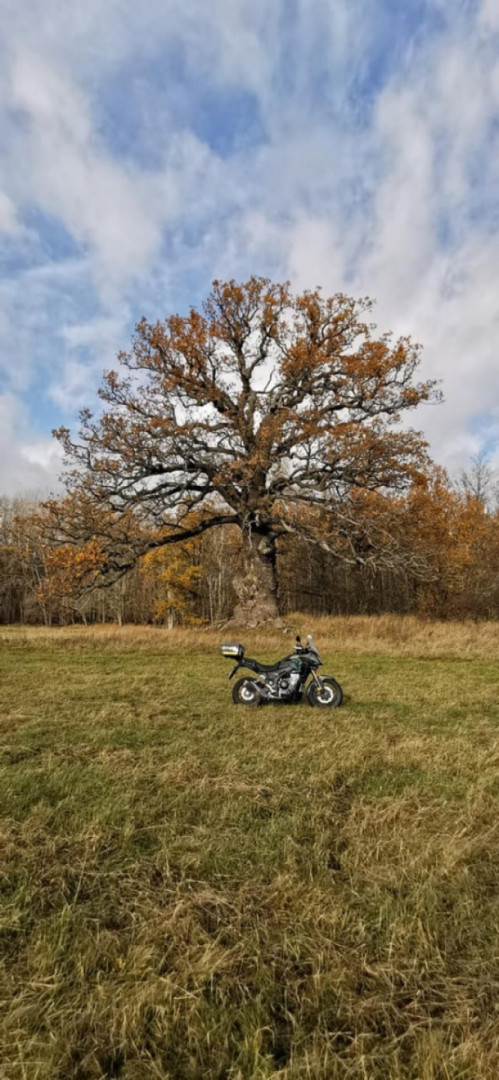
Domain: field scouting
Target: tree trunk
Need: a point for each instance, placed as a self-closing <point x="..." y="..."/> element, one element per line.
<point x="257" y="588"/>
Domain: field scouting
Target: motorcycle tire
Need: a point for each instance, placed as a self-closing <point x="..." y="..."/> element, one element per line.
<point x="327" y="696"/>
<point x="244" y="692"/>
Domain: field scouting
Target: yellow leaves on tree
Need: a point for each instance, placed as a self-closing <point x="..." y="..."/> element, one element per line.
<point x="68" y="570"/>
<point x="175" y="573"/>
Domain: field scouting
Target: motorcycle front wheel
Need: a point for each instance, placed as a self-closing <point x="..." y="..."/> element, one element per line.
<point x="327" y="696"/>
<point x="244" y="692"/>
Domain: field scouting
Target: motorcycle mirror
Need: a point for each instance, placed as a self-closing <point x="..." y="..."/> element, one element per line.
<point x="309" y="639"/>
<point x="298" y="639"/>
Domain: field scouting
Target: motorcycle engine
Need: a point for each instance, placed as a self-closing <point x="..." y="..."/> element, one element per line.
<point x="285" y="685"/>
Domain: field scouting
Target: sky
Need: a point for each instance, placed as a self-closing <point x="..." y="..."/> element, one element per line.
<point x="148" y="148"/>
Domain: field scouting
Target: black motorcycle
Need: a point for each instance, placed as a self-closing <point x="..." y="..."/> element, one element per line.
<point x="284" y="681"/>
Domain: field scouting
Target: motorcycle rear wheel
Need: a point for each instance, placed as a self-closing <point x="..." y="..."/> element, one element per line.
<point x="244" y="692"/>
<point x="327" y="696"/>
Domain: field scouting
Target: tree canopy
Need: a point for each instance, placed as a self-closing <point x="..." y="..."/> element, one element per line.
<point x="275" y="412"/>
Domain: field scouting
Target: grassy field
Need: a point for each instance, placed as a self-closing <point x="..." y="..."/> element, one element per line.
<point x="195" y="890"/>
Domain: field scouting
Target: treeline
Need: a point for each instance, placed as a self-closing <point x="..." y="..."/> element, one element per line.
<point x="449" y="534"/>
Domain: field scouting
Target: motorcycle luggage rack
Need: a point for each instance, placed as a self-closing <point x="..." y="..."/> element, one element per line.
<point x="232" y="652"/>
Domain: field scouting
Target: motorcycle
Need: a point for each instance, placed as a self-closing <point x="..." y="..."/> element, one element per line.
<point x="284" y="681"/>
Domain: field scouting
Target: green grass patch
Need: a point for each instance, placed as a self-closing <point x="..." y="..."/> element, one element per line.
<point x="190" y="889"/>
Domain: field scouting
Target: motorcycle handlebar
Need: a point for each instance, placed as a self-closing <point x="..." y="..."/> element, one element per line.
<point x="299" y="647"/>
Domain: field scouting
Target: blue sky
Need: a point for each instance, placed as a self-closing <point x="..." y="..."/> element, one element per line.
<point x="147" y="148"/>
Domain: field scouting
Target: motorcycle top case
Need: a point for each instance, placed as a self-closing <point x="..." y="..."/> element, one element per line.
<point x="234" y="652"/>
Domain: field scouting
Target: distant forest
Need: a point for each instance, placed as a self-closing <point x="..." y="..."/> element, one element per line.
<point x="450" y="533"/>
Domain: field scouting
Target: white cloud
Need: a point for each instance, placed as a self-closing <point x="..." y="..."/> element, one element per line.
<point x="430" y="262"/>
<point x="31" y="463"/>
<point x="489" y="15"/>
<point x="389" y="206"/>
<point x="442" y="289"/>
<point x="8" y="217"/>
<point x="316" y="257"/>
<point x="70" y="176"/>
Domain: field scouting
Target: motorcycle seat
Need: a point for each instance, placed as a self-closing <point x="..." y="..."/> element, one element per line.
<point x="255" y="665"/>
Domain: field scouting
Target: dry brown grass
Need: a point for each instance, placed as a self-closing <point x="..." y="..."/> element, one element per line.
<point x="387" y="635"/>
<point x="193" y="890"/>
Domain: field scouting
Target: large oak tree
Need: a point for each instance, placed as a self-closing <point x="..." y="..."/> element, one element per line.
<point x="275" y="412"/>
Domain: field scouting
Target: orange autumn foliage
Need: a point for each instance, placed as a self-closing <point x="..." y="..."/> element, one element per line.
<point x="437" y="554"/>
<point x="264" y="410"/>
<point x="176" y="575"/>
